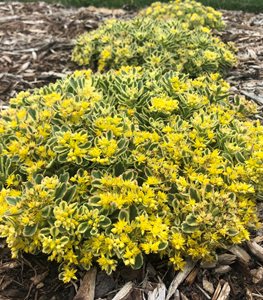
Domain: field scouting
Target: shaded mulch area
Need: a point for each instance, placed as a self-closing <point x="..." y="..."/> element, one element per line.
<point x="36" y="40"/>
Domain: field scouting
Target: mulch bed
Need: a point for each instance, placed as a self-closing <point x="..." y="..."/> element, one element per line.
<point x="36" y="40"/>
<point x="246" y="31"/>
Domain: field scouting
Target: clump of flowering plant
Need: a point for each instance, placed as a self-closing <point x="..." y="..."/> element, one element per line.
<point x="108" y="168"/>
<point x="153" y="43"/>
<point x="190" y="12"/>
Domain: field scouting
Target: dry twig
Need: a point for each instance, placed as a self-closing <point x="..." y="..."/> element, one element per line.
<point x="87" y="287"/>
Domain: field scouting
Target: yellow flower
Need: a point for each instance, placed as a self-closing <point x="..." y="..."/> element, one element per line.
<point x="177" y="241"/>
<point x="229" y="56"/>
<point x="11" y="180"/>
<point x="151" y="180"/>
<point x="178" y="85"/>
<point x="150" y="247"/>
<point x="177" y="262"/>
<point x="210" y="55"/>
<point x="107" y="264"/>
<point x="164" y="104"/>
<point x="107" y="147"/>
<point x="120" y="227"/>
<point x="86" y="260"/>
<point x="52" y="98"/>
<point x="205" y="29"/>
<point x="86" y="73"/>
<point x="215" y="76"/>
<point x="71" y="257"/>
<point x="68" y="274"/>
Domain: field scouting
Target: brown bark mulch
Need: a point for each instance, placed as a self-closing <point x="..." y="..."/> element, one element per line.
<point x="246" y="31"/>
<point x="36" y="40"/>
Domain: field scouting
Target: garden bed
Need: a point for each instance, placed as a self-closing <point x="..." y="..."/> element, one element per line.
<point x="36" y="44"/>
<point x="37" y="39"/>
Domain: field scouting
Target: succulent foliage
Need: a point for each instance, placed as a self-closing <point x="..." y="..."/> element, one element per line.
<point x="190" y="12"/>
<point x="153" y="43"/>
<point x="111" y="167"/>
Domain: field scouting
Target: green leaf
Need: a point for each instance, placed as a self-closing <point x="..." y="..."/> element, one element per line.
<point x="57" y="122"/>
<point x="32" y="113"/>
<point x="72" y="87"/>
<point x="105" y="222"/>
<point x="188" y="229"/>
<point x="148" y="172"/>
<point x="96" y="183"/>
<point x="50" y="164"/>
<point x="70" y="193"/>
<point x="215" y="212"/>
<point x="209" y="188"/>
<point x="93" y="231"/>
<point x="138" y="262"/>
<point x="194" y="194"/>
<point x="12" y="200"/>
<point x="64" y="240"/>
<point x="46" y="211"/>
<point x="83" y="227"/>
<point x="79" y="161"/>
<point x="129" y="175"/>
<point x="228" y="157"/>
<point x="51" y="141"/>
<point x="233" y="196"/>
<point x="109" y="135"/>
<point x="240" y="157"/>
<point x="30" y="230"/>
<point x="45" y="231"/>
<point x="119" y="168"/>
<point x="60" y="191"/>
<point x="94" y="200"/>
<point x="64" y="177"/>
<point x="162" y="246"/>
<point x="38" y="178"/>
<point x="29" y="185"/>
<point x="60" y="149"/>
<point x="105" y="211"/>
<point x="62" y="158"/>
<point x="64" y="128"/>
<point x="133" y="212"/>
<point x="177" y="221"/>
<point x="122" y="143"/>
<point x="54" y="231"/>
<point x="260" y="197"/>
<point x="124" y="215"/>
<point x="96" y="174"/>
<point x="153" y="146"/>
<point x="232" y="232"/>
<point x="191" y="220"/>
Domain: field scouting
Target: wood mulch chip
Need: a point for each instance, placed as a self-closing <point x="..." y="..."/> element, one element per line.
<point x="36" y="40"/>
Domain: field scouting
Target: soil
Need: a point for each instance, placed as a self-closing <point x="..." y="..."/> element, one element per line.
<point x="36" y="40"/>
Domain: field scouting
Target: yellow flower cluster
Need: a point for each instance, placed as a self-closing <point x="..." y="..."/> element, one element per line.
<point x="144" y="159"/>
<point x="154" y="43"/>
<point x="143" y="162"/>
<point x="192" y="13"/>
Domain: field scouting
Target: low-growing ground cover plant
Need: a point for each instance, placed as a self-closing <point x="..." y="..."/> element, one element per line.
<point x="187" y="11"/>
<point x="151" y="43"/>
<point x="108" y="168"/>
